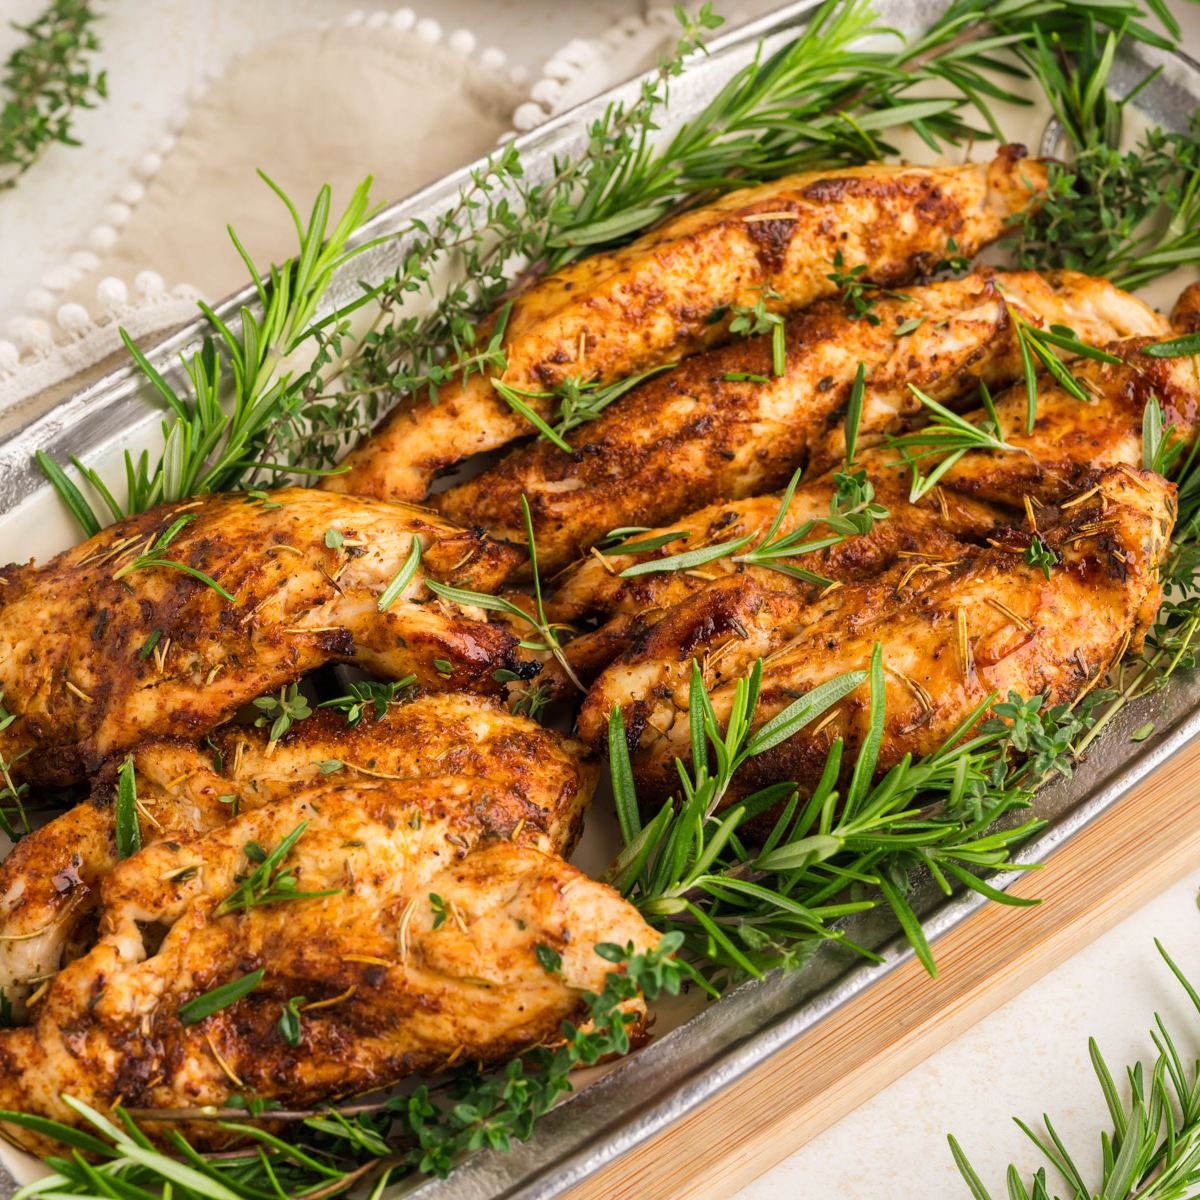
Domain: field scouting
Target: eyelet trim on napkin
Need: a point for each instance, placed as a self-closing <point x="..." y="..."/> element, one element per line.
<point x="56" y="338"/>
<point x="586" y="66"/>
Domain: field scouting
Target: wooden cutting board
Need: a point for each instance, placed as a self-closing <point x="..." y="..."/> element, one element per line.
<point x="1125" y="857"/>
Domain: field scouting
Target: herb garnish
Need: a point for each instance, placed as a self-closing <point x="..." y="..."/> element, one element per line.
<point x="46" y="79"/>
<point x="852" y="512"/>
<point x="369" y="693"/>
<point x="291" y="1022"/>
<point x="578" y="402"/>
<point x="1160" y="448"/>
<point x="206" y="448"/>
<point x="214" y="1001"/>
<point x="426" y="1130"/>
<point x="126" y="829"/>
<point x="946" y="438"/>
<point x="1153" y="1150"/>
<point x="1180" y="347"/>
<point x="282" y="711"/>
<point x="270" y="882"/>
<point x="1037" y="343"/>
<point x="403" y="576"/>
<point x="1038" y="554"/>
<point x="153" y="558"/>
<point x="859" y="295"/>
<point x="756" y="319"/>
<point x="745" y="909"/>
<point x="547" y="631"/>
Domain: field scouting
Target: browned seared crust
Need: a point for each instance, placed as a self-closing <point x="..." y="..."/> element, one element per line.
<point x="1072" y="439"/>
<point x="49" y="884"/>
<point x="1185" y="316"/>
<point x="694" y="436"/>
<point x="74" y="664"/>
<point x="611" y="315"/>
<point x="402" y="996"/>
<point x="951" y="633"/>
<point x="594" y="585"/>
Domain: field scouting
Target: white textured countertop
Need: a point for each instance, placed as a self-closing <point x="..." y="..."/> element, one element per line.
<point x="1030" y="1055"/>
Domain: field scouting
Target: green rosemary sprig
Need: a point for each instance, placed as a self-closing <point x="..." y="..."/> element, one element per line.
<point x="548" y="641"/>
<point x="270" y="882"/>
<point x="852" y="513"/>
<point x="153" y="558"/>
<point x="577" y="402"/>
<point x="1129" y="215"/>
<point x="1161" y="449"/>
<point x="1037" y="345"/>
<point x="1153" y="1149"/>
<point x="744" y="908"/>
<point x="331" y="1150"/>
<point x="127" y="830"/>
<point x="221" y="997"/>
<point x="206" y="448"/>
<point x="46" y="79"/>
<point x="946" y="438"/>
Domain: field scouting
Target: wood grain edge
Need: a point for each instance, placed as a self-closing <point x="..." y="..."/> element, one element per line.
<point x="1122" y="859"/>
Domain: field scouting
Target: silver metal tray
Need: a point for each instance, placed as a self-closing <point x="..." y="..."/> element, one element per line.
<point x="693" y="1062"/>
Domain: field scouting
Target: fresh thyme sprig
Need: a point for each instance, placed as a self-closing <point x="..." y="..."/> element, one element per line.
<point x="45" y="80"/>
<point x="946" y="438"/>
<point x="757" y="319"/>
<point x="332" y="1150"/>
<point x="745" y="908"/>
<point x="1128" y="215"/>
<point x="1038" y="554"/>
<point x="859" y="295"/>
<point x="369" y="695"/>
<point x="1153" y="1149"/>
<point x="282" y="712"/>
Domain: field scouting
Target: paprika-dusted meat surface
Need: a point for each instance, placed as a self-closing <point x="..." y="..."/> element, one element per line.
<point x="49" y="884"/>
<point x="103" y="645"/>
<point x="723" y="426"/>
<point x="611" y="315"/>
<point x="952" y="629"/>
<point x="424" y="952"/>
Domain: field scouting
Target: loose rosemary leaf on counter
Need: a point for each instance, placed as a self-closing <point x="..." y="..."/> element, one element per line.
<point x="1152" y="1151"/>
